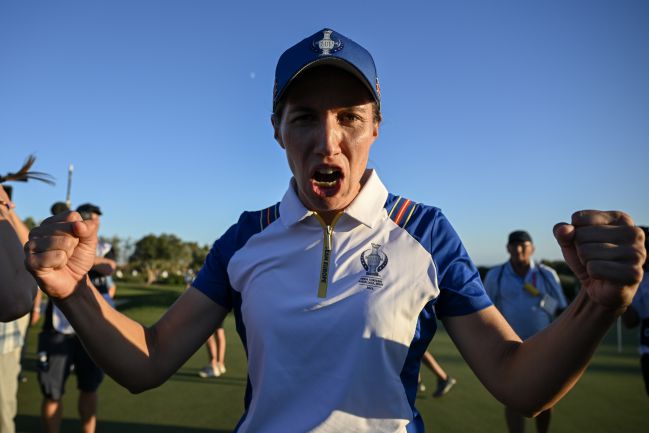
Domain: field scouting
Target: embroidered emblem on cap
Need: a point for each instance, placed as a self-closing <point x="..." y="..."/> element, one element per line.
<point x="327" y="44"/>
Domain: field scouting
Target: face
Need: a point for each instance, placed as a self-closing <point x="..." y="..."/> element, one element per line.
<point x="327" y="127"/>
<point x="521" y="252"/>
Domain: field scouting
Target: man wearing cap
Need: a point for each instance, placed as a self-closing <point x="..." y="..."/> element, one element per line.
<point x="528" y="295"/>
<point x="60" y="351"/>
<point x="336" y="288"/>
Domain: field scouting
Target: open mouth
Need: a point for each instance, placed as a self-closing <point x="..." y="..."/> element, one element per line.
<point x="326" y="181"/>
<point x="327" y="176"/>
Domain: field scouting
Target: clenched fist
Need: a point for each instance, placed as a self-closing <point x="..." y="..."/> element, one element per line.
<point x="60" y="252"/>
<point x="606" y="252"/>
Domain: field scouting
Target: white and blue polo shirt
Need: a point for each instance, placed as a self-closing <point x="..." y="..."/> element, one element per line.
<point x="335" y="319"/>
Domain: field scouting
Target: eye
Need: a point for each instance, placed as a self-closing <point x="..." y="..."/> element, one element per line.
<point x="301" y="117"/>
<point x="348" y="117"/>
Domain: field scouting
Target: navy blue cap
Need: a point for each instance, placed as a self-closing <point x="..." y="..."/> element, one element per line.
<point x="326" y="47"/>
<point x="519" y="237"/>
<point x="90" y="208"/>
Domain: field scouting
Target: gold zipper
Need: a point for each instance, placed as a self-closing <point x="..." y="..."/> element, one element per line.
<point x="328" y="231"/>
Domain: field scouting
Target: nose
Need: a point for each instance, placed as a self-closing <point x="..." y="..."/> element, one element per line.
<point x="330" y="137"/>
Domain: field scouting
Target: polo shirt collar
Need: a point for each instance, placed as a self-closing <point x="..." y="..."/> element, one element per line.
<point x="366" y="208"/>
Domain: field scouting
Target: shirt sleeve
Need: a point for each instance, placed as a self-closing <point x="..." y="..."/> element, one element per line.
<point x="461" y="289"/>
<point x="213" y="279"/>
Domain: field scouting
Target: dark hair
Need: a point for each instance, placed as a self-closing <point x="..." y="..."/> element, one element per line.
<point x="59" y="207"/>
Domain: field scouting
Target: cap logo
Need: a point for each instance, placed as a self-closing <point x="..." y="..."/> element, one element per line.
<point x="326" y="45"/>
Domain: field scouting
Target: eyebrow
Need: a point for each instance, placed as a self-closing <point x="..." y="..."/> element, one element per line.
<point x="306" y="108"/>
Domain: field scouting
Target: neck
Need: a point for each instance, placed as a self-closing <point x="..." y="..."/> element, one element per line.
<point x="328" y="216"/>
<point x="521" y="268"/>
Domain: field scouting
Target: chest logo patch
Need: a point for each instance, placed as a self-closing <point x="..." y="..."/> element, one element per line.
<point x="374" y="261"/>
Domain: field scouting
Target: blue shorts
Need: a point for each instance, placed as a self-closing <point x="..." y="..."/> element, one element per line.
<point x="59" y="354"/>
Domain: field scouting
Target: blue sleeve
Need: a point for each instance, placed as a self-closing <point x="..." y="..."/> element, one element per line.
<point x="213" y="278"/>
<point x="461" y="288"/>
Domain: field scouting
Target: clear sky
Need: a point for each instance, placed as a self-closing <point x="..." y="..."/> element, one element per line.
<point x="506" y="114"/>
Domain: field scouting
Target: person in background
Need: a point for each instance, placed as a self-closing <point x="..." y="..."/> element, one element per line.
<point x="17" y="289"/>
<point x="444" y="381"/>
<point x="60" y="351"/>
<point x="529" y="296"/>
<point x="638" y="314"/>
<point x="215" y="346"/>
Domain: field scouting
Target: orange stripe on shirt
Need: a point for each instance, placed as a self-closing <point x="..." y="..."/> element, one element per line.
<point x="402" y="211"/>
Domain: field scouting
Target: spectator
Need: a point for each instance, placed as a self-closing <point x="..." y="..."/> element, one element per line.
<point x="529" y="296"/>
<point x="59" y="348"/>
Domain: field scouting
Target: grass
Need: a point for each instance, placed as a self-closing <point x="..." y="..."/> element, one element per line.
<point x="609" y="398"/>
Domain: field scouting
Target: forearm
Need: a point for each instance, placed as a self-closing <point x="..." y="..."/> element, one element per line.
<point x="545" y="367"/>
<point x="118" y="344"/>
<point x="137" y="357"/>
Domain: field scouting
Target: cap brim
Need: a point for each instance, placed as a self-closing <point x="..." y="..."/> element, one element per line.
<point x="331" y="61"/>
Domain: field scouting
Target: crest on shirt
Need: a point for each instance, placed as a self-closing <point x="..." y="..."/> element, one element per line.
<point x="374" y="260"/>
<point x="327" y="44"/>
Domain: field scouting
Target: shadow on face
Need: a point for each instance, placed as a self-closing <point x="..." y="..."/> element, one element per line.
<point x="326" y="88"/>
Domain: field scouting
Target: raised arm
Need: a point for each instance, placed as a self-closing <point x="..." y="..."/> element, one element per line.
<point x="17" y="287"/>
<point x="60" y="253"/>
<point x="606" y="251"/>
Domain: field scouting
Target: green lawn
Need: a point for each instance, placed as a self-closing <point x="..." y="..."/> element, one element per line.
<point x="609" y="398"/>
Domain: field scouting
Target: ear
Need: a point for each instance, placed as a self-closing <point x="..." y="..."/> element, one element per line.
<point x="377" y="124"/>
<point x="276" y="126"/>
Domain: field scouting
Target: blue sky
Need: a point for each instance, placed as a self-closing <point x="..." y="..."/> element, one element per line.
<point x="506" y="114"/>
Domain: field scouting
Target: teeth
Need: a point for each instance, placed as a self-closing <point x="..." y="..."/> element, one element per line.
<point x="326" y="184"/>
<point x="326" y="170"/>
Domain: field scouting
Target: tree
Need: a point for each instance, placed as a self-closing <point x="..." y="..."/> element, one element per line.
<point x="155" y="254"/>
<point x="30" y="222"/>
